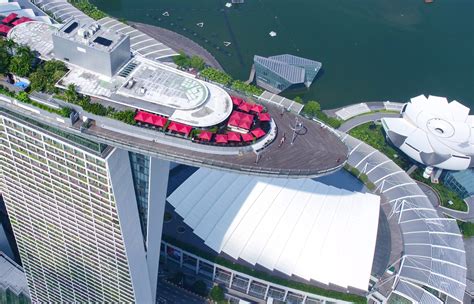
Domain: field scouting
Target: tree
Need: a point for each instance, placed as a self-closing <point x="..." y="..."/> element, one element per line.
<point x="312" y="108"/>
<point x="298" y="99"/>
<point x="181" y="60"/>
<point x="200" y="288"/>
<point x="46" y="76"/>
<point x="21" y="64"/>
<point x="217" y="294"/>
<point x="71" y="93"/>
<point x="4" y="57"/>
<point x="197" y="63"/>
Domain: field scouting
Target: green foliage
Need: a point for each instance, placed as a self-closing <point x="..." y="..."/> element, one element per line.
<point x="200" y="288"/>
<point x="5" y="56"/>
<point x="23" y="97"/>
<point x="467" y="228"/>
<point x="217" y="294"/>
<point x="71" y="94"/>
<point x="126" y="116"/>
<point x="312" y="108"/>
<point x="45" y="77"/>
<point x="331" y="121"/>
<point x="21" y="64"/>
<point x="444" y="193"/>
<point x="197" y="63"/>
<point x="373" y="135"/>
<point x="264" y="276"/>
<point x="185" y="62"/>
<point x="217" y="76"/>
<point x="88" y="8"/>
<point x="361" y="176"/>
<point x="181" y="60"/>
<point x="298" y="99"/>
<point x="249" y="89"/>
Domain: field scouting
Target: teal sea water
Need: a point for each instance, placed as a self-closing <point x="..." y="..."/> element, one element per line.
<point x="371" y="50"/>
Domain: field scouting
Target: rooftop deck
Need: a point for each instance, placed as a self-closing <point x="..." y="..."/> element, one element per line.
<point x="315" y="151"/>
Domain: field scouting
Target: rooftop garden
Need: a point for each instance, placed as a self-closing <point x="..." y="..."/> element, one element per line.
<point x="373" y="134"/>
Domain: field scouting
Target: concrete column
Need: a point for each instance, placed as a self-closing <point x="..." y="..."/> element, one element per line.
<point x="158" y="186"/>
<point x="127" y="208"/>
<point x="266" y="292"/>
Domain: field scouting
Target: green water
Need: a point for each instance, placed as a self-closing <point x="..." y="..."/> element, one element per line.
<point x="371" y="50"/>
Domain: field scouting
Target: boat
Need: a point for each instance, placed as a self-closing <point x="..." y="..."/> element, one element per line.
<point x="200" y="24"/>
<point x="166" y="14"/>
<point x="227" y="43"/>
<point x="272" y="34"/>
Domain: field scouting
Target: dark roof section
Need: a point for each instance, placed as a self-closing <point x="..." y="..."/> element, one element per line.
<point x="103" y="41"/>
<point x="71" y="27"/>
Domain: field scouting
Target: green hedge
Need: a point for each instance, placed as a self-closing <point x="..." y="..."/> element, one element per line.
<point x="264" y="276"/>
<point x="24" y="98"/>
<point x="216" y="76"/>
<point x="361" y="176"/>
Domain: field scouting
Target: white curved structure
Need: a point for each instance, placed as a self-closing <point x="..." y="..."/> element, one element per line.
<point x="297" y="227"/>
<point x="434" y="132"/>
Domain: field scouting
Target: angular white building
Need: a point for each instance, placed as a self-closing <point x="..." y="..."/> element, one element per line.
<point x="434" y="132"/>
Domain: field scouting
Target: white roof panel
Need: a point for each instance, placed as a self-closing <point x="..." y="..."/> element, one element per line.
<point x="297" y="227"/>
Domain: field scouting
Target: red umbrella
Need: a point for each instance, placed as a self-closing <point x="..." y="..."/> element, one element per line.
<point x="257" y="108"/>
<point x="221" y="138"/>
<point x="185" y="129"/>
<point x="173" y="127"/>
<point x="244" y="124"/>
<point x="264" y="117"/>
<point x="160" y="121"/>
<point x="246" y="107"/>
<point x="236" y="100"/>
<point x="233" y="136"/>
<point x="258" y="132"/>
<point x="139" y="116"/>
<point x="233" y="121"/>
<point x="205" y="135"/>
<point x="246" y="117"/>
<point x="247" y="137"/>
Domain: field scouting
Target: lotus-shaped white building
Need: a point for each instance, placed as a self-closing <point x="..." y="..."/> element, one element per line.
<point x="434" y="132"/>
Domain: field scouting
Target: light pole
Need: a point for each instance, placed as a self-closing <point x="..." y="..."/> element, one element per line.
<point x="296" y="128"/>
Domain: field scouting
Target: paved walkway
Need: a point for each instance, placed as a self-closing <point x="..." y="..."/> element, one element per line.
<point x="178" y="42"/>
<point x="359" y="120"/>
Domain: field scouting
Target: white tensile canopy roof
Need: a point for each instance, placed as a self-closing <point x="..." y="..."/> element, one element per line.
<point x="296" y="226"/>
<point x="434" y="132"/>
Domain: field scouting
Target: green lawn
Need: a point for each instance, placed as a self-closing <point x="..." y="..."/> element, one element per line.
<point x="374" y="135"/>
<point x="467" y="228"/>
<point x="445" y="194"/>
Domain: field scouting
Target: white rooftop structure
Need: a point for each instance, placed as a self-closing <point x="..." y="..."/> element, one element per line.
<point x="35" y="34"/>
<point x="295" y="226"/>
<point x="156" y="88"/>
<point x="434" y="132"/>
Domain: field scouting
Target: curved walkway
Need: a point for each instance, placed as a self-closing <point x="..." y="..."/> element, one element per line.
<point x="178" y="42"/>
<point x="431" y="250"/>
<point x="362" y="119"/>
<point x="460" y="215"/>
